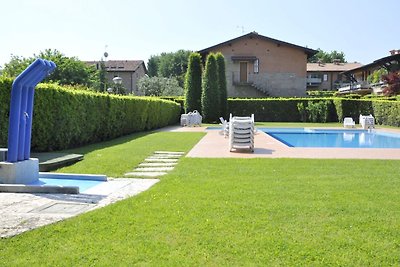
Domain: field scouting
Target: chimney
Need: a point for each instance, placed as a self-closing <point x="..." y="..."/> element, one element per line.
<point x="336" y="61"/>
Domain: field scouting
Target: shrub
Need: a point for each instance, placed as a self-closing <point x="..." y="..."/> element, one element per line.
<point x="69" y="118"/>
<point x="393" y="81"/>
<point x="221" y="80"/>
<point x="209" y="96"/>
<point x="193" y="83"/>
<point x="159" y="86"/>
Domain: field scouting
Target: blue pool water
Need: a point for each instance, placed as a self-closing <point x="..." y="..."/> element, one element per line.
<point x="82" y="184"/>
<point x="304" y="137"/>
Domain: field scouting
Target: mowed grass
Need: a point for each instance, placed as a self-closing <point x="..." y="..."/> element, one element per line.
<point x="119" y="156"/>
<point x="231" y="212"/>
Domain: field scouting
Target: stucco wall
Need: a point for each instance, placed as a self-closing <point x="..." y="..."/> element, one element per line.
<point x="129" y="79"/>
<point x="282" y="68"/>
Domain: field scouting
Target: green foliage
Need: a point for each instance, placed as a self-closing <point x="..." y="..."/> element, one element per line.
<point x="224" y="212"/>
<point x="318" y="111"/>
<point x="352" y="108"/>
<point x="327" y="57"/>
<point x="320" y="94"/>
<point x="5" y="95"/>
<point x="210" y="95"/>
<point x="159" y="86"/>
<point x="376" y="76"/>
<point x="169" y="65"/>
<point x="285" y="109"/>
<point x="193" y="83"/>
<point x="152" y="66"/>
<point x="69" y="71"/>
<point x="66" y="118"/>
<point x="387" y="112"/>
<point x="222" y="90"/>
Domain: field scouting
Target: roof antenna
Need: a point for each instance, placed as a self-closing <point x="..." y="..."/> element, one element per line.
<point x="240" y="27"/>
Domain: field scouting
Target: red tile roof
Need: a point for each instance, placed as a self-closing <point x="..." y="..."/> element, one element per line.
<point x="339" y="67"/>
<point x="120" y="65"/>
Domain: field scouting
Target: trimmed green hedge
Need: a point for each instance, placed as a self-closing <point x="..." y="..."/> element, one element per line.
<point x="285" y="109"/>
<point x="66" y="118"/>
<point x="386" y="112"/>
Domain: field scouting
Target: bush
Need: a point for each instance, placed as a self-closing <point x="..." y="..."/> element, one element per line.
<point x="209" y="96"/>
<point x="222" y="90"/>
<point x="285" y="109"/>
<point x="193" y="83"/>
<point x="159" y="86"/>
<point x="69" y="118"/>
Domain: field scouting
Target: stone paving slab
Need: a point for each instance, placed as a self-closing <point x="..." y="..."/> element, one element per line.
<point x="145" y="174"/>
<point x="169" y="152"/>
<point x="153" y="169"/>
<point x="165" y="157"/>
<point x="20" y="212"/>
<point x="160" y="160"/>
<point x="157" y="164"/>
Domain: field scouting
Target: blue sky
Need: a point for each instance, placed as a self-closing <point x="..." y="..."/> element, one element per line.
<point x="363" y="30"/>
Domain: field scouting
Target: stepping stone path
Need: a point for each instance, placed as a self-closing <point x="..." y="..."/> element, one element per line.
<point x="156" y="165"/>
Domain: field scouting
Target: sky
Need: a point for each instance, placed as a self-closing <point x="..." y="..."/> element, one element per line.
<point x="136" y="30"/>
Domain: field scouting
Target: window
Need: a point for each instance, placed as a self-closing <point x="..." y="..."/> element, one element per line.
<point x="256" y="64"/>
<point x="325" y="77"/>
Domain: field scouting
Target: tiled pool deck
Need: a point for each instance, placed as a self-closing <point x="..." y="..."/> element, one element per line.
<point x="214" y="145"/>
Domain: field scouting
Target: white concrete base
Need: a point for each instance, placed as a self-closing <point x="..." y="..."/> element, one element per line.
<point x="21" y="172"/>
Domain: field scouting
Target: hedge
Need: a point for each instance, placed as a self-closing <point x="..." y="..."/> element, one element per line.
<point x="285" y="109"/>
<point x="65" y="118"/>
<point x="386" y="112"/>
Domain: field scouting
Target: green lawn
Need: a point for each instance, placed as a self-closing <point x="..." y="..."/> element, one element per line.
<point x="224" y="212"/>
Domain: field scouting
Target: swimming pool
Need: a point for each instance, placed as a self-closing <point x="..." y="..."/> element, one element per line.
<point x="306" y="137"/>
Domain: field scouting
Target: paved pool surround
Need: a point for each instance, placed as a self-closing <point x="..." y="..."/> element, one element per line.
<point x="214" y="145"/>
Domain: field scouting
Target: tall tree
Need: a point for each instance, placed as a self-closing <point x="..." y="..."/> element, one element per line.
<point x="152" y="66"/>
<point x="70" y="70"/>
<point x="221" y="80"/>
<point x="209" y="96"/>
<point x="327" y="57"/>
<point x="193" y="83"/>
<point x="169" y="65"/>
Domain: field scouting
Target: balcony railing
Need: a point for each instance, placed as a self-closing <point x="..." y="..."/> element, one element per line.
<point x="314" y="81"/>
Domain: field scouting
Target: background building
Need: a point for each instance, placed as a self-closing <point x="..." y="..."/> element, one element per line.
<point x="259" y="66"/>
<point x="326" y="76"/>
<point x="129" y="70"/>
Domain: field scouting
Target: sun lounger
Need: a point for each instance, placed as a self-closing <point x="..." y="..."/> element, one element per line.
<point x="348" y="122"/>
<point x="241" y="133"/>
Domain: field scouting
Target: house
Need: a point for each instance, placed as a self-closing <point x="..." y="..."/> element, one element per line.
<point x="130" y="71"/>
<point x="259" y="66"/>
<point x="358" y="77"/>
<point x="326" y="76"/>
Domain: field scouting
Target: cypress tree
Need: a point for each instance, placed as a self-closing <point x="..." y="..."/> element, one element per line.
<point x="222" y="91"/>
<point x="193" y="83"/>
<point x="209" y="96"/>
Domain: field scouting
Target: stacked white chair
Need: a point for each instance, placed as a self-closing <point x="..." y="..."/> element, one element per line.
<point x="367" y="122"/>
<point x="241" y="133"/>
<point x="191" y="119"/>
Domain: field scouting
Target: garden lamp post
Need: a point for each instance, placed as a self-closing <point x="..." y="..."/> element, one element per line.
<point x="117" y="81"/>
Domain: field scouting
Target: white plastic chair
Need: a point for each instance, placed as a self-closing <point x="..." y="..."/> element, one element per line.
<point x="367" y="122"/>
<point x="348" y="122"/>
<point x="225" y="127"/>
